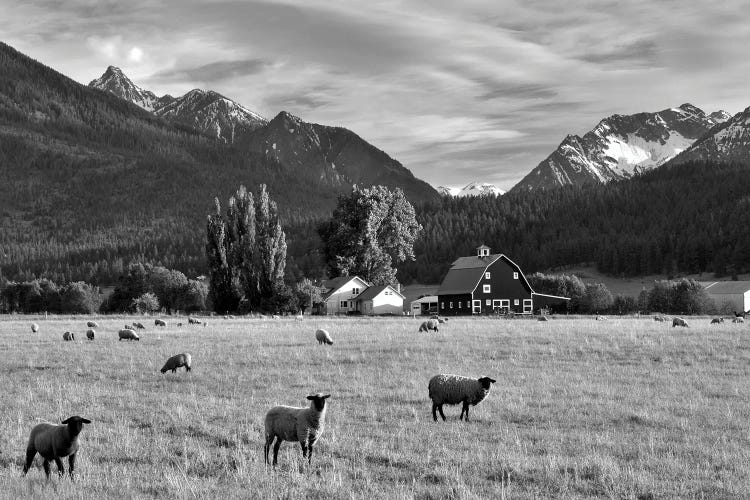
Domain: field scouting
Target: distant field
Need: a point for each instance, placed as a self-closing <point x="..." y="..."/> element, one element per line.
<point x="623" y="408"/>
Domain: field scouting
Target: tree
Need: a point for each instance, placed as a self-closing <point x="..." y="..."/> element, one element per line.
<point x="79" y="297"/>
<point x="168" y="286"/>
<point x="370" y="231"/>
<point x="308" y="293"/>
<point x="194" y="296"/>
<point x="598" y="298"/>
<point x="146" y="303"/>
<point x="246" y="251"/>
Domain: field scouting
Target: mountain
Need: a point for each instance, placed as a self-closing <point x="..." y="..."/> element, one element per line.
<point x="727" y="142"/>
<point x="207" y="111"/>
<point x="471" y="189"/>
<point x="620" y="146"/>
<point x="333" y="155"/>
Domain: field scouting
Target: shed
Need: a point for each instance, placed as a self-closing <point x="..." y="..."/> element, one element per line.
<point x="424" y="305"/>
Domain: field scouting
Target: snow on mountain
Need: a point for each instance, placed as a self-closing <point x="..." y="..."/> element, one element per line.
<point x="471" y="189"/>
<point x="207" y="111"/>
<point x="728" y="142"/>
<point x="621" y="146"/>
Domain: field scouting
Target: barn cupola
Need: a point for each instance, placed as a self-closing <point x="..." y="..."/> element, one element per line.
<point x="483" y="251"/>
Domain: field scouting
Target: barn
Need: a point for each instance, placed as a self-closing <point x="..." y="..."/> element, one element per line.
<point x="490" y="284"/>
<point x="734" y="295"/>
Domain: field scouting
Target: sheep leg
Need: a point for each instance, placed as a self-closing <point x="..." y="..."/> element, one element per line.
<point x="71" y="464"/>
<point x="276" y="451"/>
<point x="309" y="454"/>
<point x="304" y="449"/>
<point x="440" y="409"/>
<point x="434" y="412"/>
<point x="46" y="467"/>
<point x="267" y="447"/>
<point x="30" y="454"/>
<point x="465" y="409"/>
<point x="60" y="467"/>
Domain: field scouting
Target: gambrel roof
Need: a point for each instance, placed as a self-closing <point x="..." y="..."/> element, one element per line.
<point x="466" y="273"/>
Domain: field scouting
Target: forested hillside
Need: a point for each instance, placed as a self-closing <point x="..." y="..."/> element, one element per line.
<point x="687" y="218"/>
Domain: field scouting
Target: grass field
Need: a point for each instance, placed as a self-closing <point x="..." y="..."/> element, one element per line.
<point x="625" y="408"/>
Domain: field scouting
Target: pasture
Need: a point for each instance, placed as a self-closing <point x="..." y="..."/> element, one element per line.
<point x="625" y="408"/>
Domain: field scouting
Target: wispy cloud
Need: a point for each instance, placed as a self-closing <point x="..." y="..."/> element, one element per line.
<point x="457" y="91"/>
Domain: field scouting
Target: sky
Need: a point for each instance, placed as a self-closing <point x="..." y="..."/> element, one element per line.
<point x="476" y="90"/>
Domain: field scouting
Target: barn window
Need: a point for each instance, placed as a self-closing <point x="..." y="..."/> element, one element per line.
<point x="488" y="302"/>
<point x="442" y="305"/>
<point x="487" y="275"/>
<point x="459" y="304"/>
<point x="515" y="302"/>
<point x="343" y="303"/>
<point x="515" y="276"/>
<point x="451" y="305"/>
<point x="355" y="291"/>
<point x="468" y="304"/>
<point x="486" y="288"/>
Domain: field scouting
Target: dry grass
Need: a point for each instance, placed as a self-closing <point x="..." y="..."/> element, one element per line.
<point x="623" y="409"/>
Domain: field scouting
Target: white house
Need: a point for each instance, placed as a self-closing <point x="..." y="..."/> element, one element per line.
<point x="424" y="305"/>
<point x="382" y="299"/>
<point x="341" y="292"/>
<point x="732" y="294"/>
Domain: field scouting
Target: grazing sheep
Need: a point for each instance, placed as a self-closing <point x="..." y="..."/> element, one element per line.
<point x="276" y="316"/>
<point x="659" y="318"/>
<point x="738" y="319"/>
<point x="717" y="320"/>
<point x="179" y="324"/>
<point x="193" y="321"/>
<point x="160" y="322"/>
<point x="679" y="322"/>
<point x="69" y="336"/>
<point x="454" y="389"/>
<point x="128" y="334"/>
<point x="601" y="318"/>
<point x="92" y="324"/>
<point x="439" y="319"/>
<point x="177" y="361"/>
<point x="542" y="318"/>
<point x="54" y="442"/>
<point x="139" y="325"/>
<point x="323" y="337"/>
<point x="90" y="333"/>
<point x="287" y="423"/>
<point x="430" y="324"/>
<point x="34" y="327"/>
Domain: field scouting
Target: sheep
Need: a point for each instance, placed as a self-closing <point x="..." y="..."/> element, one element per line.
<point x="601" y="318"/>
<point x="177" y="361"/>
<point x="430" y="324"/>
<point x="69" y="336"/>
<point x="34" y="327"/>
<point x="323" y="337"/>
<point x="299" y="317"/>
<point x="54" y="442"/>
<point x="439" y="319"/>
<point x="193" y="321"/>
<point x="679" y="322"/>
<point x="139" y="325"/>
<point x="160" y="322"/>
<point x="659" y="318"/>
<point x="276" y="316"/>
<point x="717" y="320"/>
<point x="454" y="389"/>
<point x="128" y="334"/>
<point x="179" y="324"/>
<point x="287" y="423"/>
<point x="738" y="319"/>
<point x="90" y="333"/>
<point x="92" y="324"/>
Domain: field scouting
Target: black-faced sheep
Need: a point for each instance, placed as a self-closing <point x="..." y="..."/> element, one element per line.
<point x="128" y="334"/>
<point x="679" y="322"/>
<point x="454" y="389"/>
<point x="717" y="321"/>
<point x="67" y="336"/>
<point x="177" y="361"/>
<point x="323" y="337"/>
<point x="92" y="324"/>
<point x="430" y="324"/>
<point x="160" y="322"/>
<point x="54" y="442"/>
<point x="90" y="334"/>
<point x="287" y="423"/>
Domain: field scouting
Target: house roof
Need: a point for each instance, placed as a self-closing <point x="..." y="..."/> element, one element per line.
<point x="334" y="284"/>
<point x="726" y="287"/>
<point x="373" y="291"/>
<point x="425" y="300"/>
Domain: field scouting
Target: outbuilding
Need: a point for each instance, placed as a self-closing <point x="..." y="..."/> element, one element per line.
<point x="382" y="299"/>
<point x="490" y="284"/>
<point x="734" y="295"/>
<point x="424" y="305"/>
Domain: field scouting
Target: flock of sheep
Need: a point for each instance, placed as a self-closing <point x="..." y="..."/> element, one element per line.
<point x="282" y="423"/>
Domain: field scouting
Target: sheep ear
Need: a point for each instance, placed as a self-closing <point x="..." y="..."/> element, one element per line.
<point x="326" y="396"/>
<point x="85" y="420"/>
<point x="311" y="398"/>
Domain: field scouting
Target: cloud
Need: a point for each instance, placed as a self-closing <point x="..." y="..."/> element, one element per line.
<point x="135" y="55"/>
<point x="215" y="71"/>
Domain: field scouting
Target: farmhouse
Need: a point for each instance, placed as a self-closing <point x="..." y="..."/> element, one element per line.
<point x="352" y="295"/>
<point x="490" y="283"/>
<point x="734" y="295"/>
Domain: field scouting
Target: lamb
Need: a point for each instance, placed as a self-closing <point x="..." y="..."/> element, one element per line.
<point x="679" y="322"/>
<point x="34" y="327"/>
<point x="430" y="324"/>
<point x="287" y="423"/>
<point x="160" y="322"/>
<point x="69" y="336"/>
<point x="177" y="361"/>
<point x="454" y="389"/>
<point x="717" y="320"/>
<point x="128" y="334"/>
<point x="90" y="333"/>
<point x="54" y="442"/>
<point x="323" y="337"/>
<point x="92" y="324"/>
